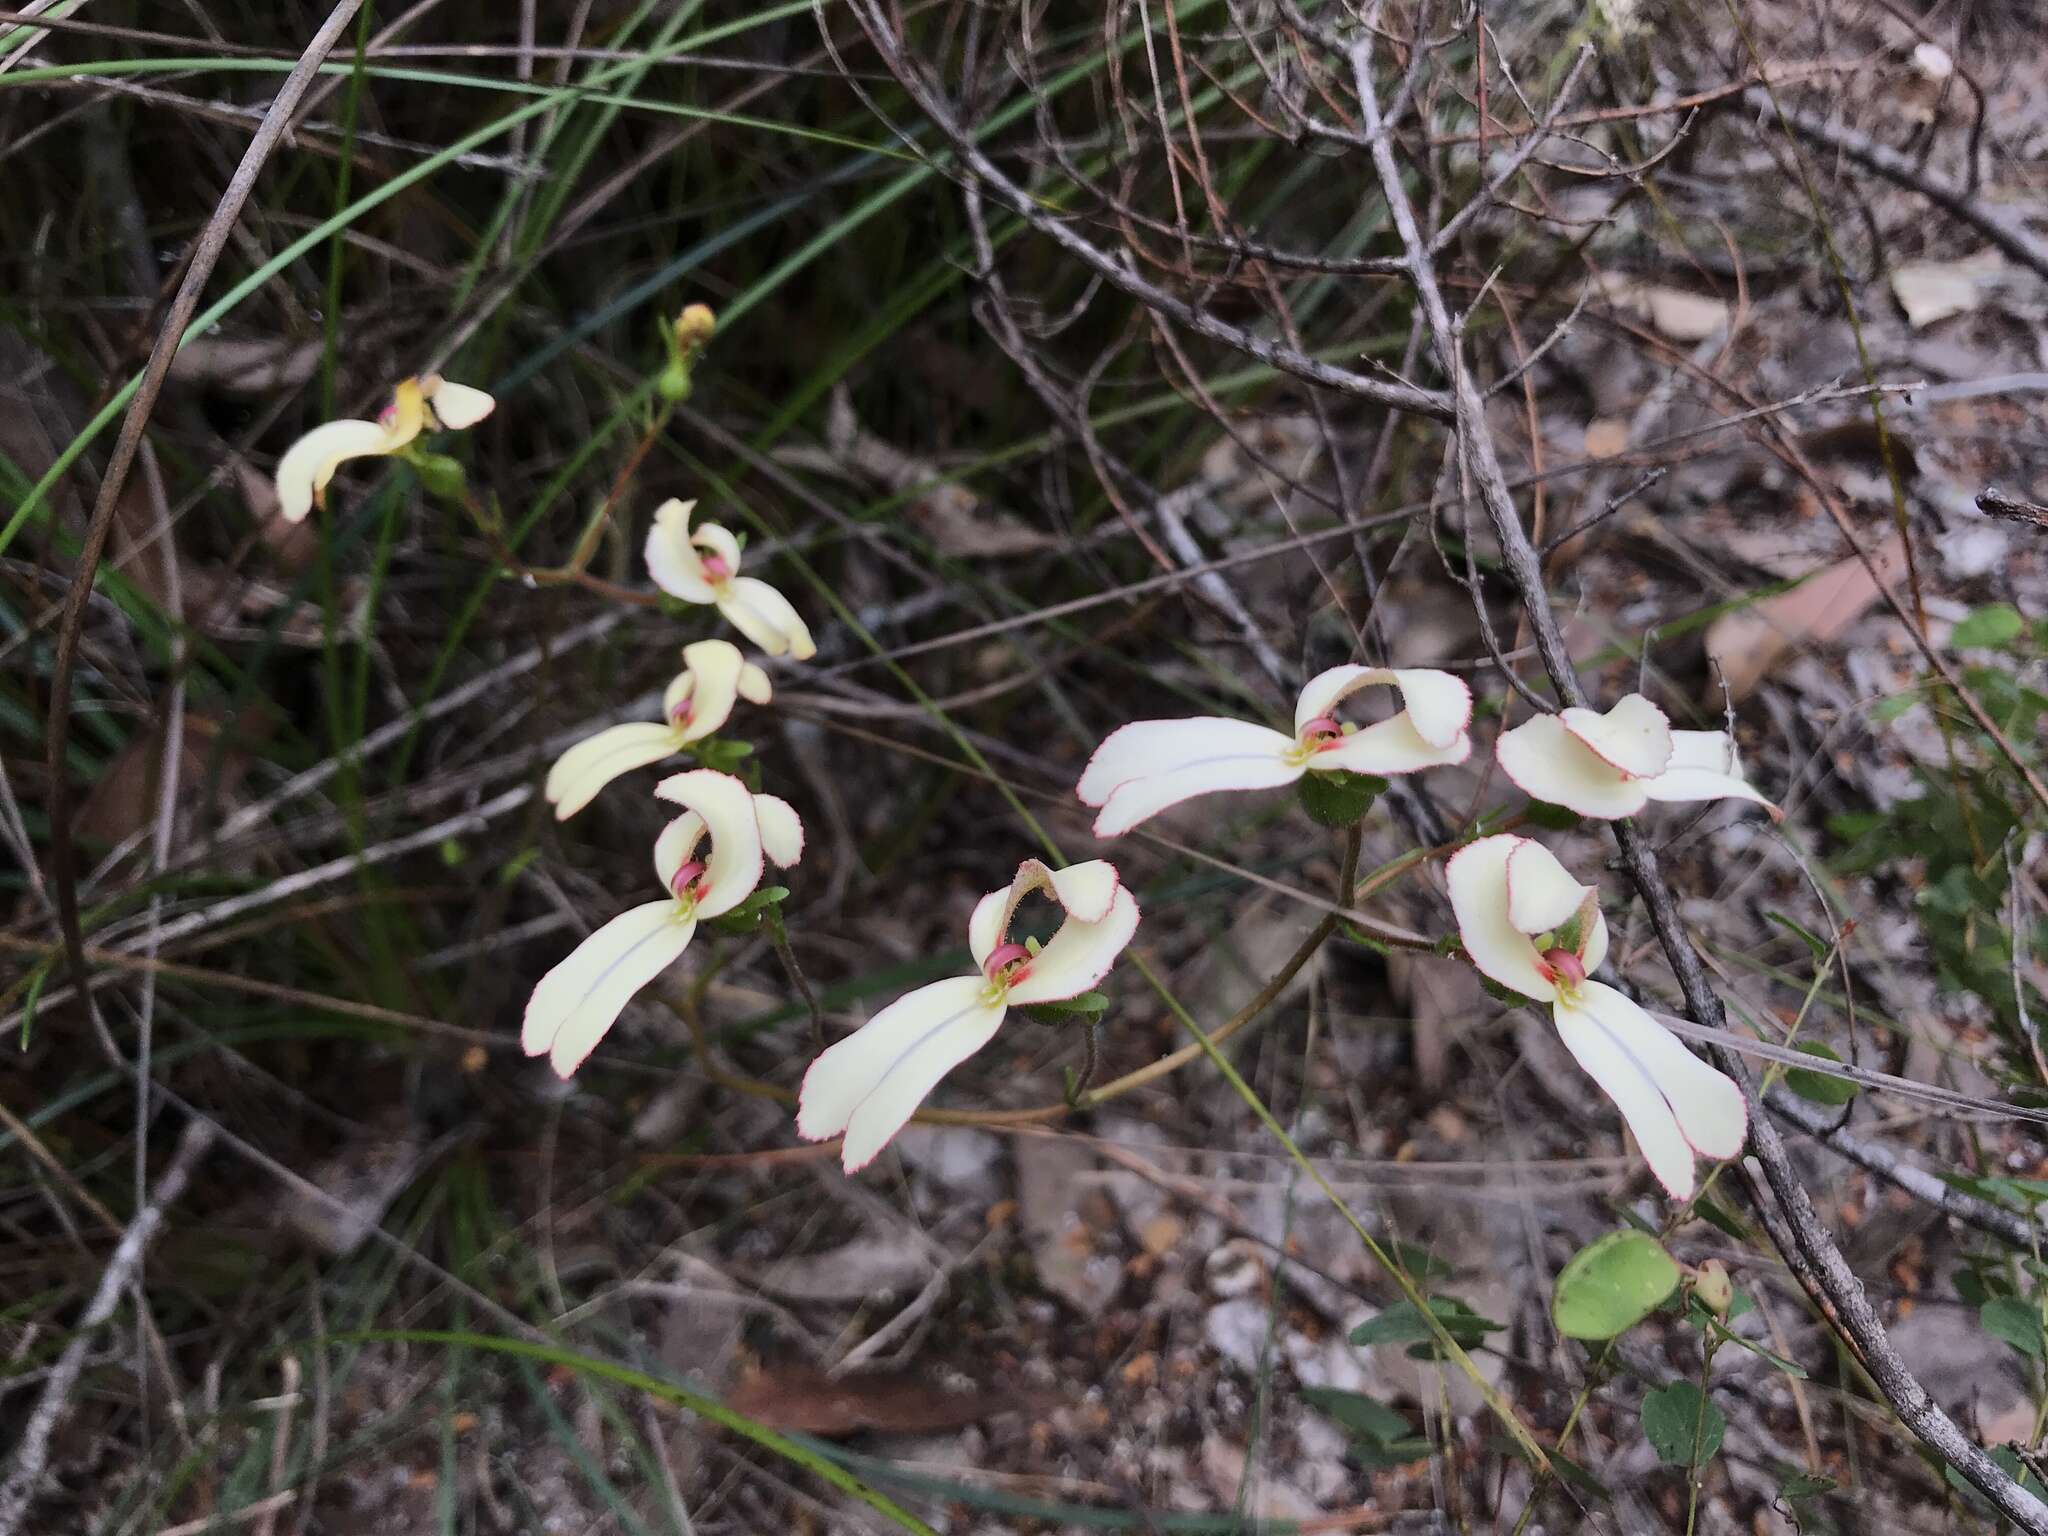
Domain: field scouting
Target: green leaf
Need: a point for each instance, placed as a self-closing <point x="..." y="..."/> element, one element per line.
<point x="1819" y="1086"/>
<point x="1717" y="1215"/>
<point x="1087" y="1002"/>
<point x="1611" y="1284"/>
<point x="1683" y="1425"/>
<point x="2016" y="1321"/>
<point x="1364" y="1417"/>
<point x="1996" y="624"/>
<point x="1812" y="941"/>
<point x="1805" y="1485"/>
<point x="1892" y="707"/>
<point x="1402" y="1323"/>
<point x="1338" y="799"/>
<point x="1554" y="818"/>
<point x="722" y="752"/>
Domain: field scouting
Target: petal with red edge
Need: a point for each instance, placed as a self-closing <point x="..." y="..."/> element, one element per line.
<point x="1389" y="748"/>
<point x="782" y="830"/>
<point x="766" y="617"/>
<point x="733" y="868"/>
<point x="1610" y="1063"/>
<point x="1548" y="763"/>
<point x="1633" y="736"/>
<point x="1079" y="955"/>
<point x="582" y="997"/>
<point x="1708" y="1104"/>
<point x="1541" y="892"/>
<point x="1704" y="767"/>
<point x="1477" y="875"/>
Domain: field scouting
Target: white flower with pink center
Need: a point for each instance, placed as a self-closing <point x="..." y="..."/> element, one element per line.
<point x="1144" y="768"/>
<point x="578" y="1001"/>
<point x="1612" y="765"/>
<point x="867" y="1086"/>
<point x="697" y="704"/>
<point x="417" y="405"/>
<point x="702" y="565"/>
<point x="1529" y="926"/>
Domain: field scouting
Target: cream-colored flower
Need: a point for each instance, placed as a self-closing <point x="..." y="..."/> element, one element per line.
<point x="702" y="565"/>
<point x="1528" y="925"/>
<point x="867" y="1086"/>
<point x="1143" y="768"/>
<point x="696" y="705"/>
<point x="417" y="405"/>
<point x="1612" y="765"/>
<point x="579" y="1000"/>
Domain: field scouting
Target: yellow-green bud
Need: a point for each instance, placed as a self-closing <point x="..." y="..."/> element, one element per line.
<point x="442" y="476"/>
<point x="1710" y="1283"/>
<point x="694" y="327"/>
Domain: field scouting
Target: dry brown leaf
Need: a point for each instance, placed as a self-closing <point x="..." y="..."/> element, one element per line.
<point x="245" y="365"/>
<point x="1748" y="642"/>
<point x="1931" y="291"/>
<point x="803" y="1398"/>
<point x="1605" y="437"/>
<point x="123" y="801"/>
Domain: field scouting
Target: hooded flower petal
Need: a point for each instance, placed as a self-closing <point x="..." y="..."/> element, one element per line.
<point x="1079" y="955"/>
<point x="733" y="868"/>
<point x="1549" y="763"/>
<point x="754" y="685"/>
<point x="716" y="666"/>
<point x="1674" y="1103"/>
<point x="672" y="560"/>
<point x="587" y="767"/>
<point x="307" y="466"/>
<point x="1142" y="769"/>
<point x="1541" y="892"/>
<point x="765" y="617"/>
<point x="676" y="846"/>
<point x="1085" y="890"/>
<point x="582" y="997"/>
<point x="1633" y="736"/>
<point x="1437" y="705"/>
<point x="1389" y="747"/>
<point x="868" y="1085"/>
<point x="719" y="540"/>
<point x="456" y="405"/>
<point x="782" y="831"/>
<point x="1704" y="767"/>
<point x="1478" y="878"/>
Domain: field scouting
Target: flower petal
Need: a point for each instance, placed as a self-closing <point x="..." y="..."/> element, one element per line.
<point x="716" y="666"/>
<point x="1079" y="955"/>
<point x="1148" y="748"/>
<point x="672" y="560"/>
<point x="765" y="617"/>
<point x="582" y="997"/>
<point x="1704" y="767"/>
<point x="754" y="685"/>
<point x="1389" y="747"/>
<point x="782" y="830"/>
<point x="1611" y="1063"/>
<point x="307" y="466"/>
<point x="1633" y="736"/>
<point x="583" y="770"/>
<point x="676" y="846"/>
<point x="456" y="405"/>
<point x="1548" y="763"/>
<point x="734" y="866"/>
<point x="717" y="539"/>
<point x="1437" y="704"/>
<point x="1084" y="890"/>
<point x="868" y="1085"/>
<point x="1144" y="768"/>
<point x="1478" y="878"/>
<point x="1541" y="891"/>
<point x="1593" y="945"/>
<point x="1708" y="1103"/>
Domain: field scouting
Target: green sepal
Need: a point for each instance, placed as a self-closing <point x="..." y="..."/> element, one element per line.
<point x="722" y="753"/>
<point x="1338" y="799"/>
<point x="751" y="913"/>
<point x="1067" y="1007"/>
<point x="441" y="477"/>
<point x="1552" y="818"/>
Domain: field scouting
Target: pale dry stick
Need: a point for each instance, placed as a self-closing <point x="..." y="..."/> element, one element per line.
<point x="32" y="1450"/>
<point x="206" y="253"/>
<point x="1789" y="1215"/>
<point x="210" y="1525"/>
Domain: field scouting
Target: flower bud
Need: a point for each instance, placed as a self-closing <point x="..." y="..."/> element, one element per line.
<point x="694" y="327"/>
<point x="1710" y="1283"/>
<point x="441" y="475"/>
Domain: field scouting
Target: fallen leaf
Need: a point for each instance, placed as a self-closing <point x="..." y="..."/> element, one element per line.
<point x="123" y="801"/>
<point x="237" y="365"/>
<point x="1685" y="316"/>
<point x="1606" y="437"/>
<point x="805" y="1399"/>
<point x="1748" y="642"/>
<point x="1932" y="291"/>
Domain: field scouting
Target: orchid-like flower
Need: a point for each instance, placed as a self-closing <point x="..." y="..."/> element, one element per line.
<point x="417" y="405"/>
<point x="1612" y="765"/>
<point x="1142" y="769"/>
<point x="867" y="1086"/>
<point x="696" y="705"/>
<point x="1528" y="925"/>
<point x="579" y="1000"/>
<point x="702" y="565"/>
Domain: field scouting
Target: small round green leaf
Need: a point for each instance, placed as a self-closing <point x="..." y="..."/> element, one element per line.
<point x="1820" y="1087"/>
<point x="1683" y="1426"/>
<point x="1338" y="799"/>
<point x="1612" y="1283"/>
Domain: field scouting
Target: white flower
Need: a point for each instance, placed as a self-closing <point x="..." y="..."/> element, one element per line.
<point x="417" y="405"/>
<point x="696" y="705"/>
<point x="1141" y="769"/>
<point x="702" y="565"/>
<point x="581" y="998"/>
<point x="1611" y="765"/>
<point x="867" y="1086"/>
<point x="1531" y="927"/>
